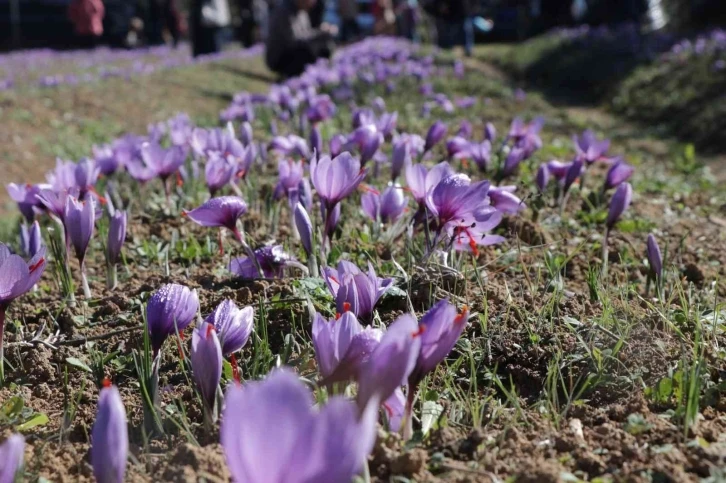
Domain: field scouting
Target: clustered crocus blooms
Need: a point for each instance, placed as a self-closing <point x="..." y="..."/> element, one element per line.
<point x="109" y="437"/>
<point x="290" y="177"/>
<point x="329" y="443"/>
<point x="12" y="454"/>
<point x="222" y="212"/>
<point x="116" y="239"/>
<point x="170" y="309"/>
<point x="158" y="162"/>
<point x="26" y="198"/>
<point x="79" y="221"/>
<point x="206" y="359"/>
<point x="421" y="180"/>
<point x="589" y="149"/>
<point x="354" y="290"/>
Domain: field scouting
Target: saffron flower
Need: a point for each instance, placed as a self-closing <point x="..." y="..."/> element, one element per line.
<point x="223" y="211"/>
<point x="490" y="132"/>
<point x="320" y="108"/>
<point x="173" y="307"/>
<point x="503" y="199"/>
<point x="342" y="346"/>
<point x="304" y="228"/>
<point x="109" y="438"/>
<point x="542" y="178"/>
<point x="589" y="149"/>
<point x="31" y="240"/>
<point x="391" y="363"/>
<point x="335" y="179"/>
<point x="421" y="180"/>
<point x="367" y="140"/>
<point x="457" y="147"/>
<point x="26" y="198"/>
<point x="354" y="290"/>
<point x="162" y="162"/>
<point x="79" y="221"/>
<point x="12" y="453"/>
<point x="655" y="258"/>
<point x="435" y="134"/>
<point x="316" y="139"/>
<point x="618" y="173"/>
<point x="272" y="261"/>
<point x="400" y="157"/>
<point x="290" y="175"/>
<point x="337" y="434"/>
<point x="291" y="146"/>
<point x="386" y="207"/>
<point x="206" y="359"/>
<point x="233" y="325"/>
<point x="481" y="154"/>
<point x="218" y="173"/>
<point x="619" y="203"/>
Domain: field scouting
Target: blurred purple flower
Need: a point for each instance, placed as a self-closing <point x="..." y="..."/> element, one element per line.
<point x="109" y="438"/>
<point x="503" y="199"/>
<point x="335" y="179"/>
<point x="116" y="236"/>
<point x="354" y="290"/>
<point x="271" y="259"/>
<point x="218" y="172"/>
<point x="619" y="203"/>
<point x="490" y="132"/>
<point x="256" y="451"/>
<point x="321" y="108"/>
<point x="466" y="130"/>
<point x="223" y="211"/>
<point x="481" y="154"/>
<point x="457" y="147"/>
<point x="435" y="134"/>
<point x="589" y="148"/>
<point x="31" y="240"/>
<point x="290" y="175"/>
<point x="618" y="173"/>
<point x="79" y="221"/>
<point x="304" y="228"/>
<point x="26" y="198"/>
<point x="421" y="180"/>
<point x="12" y="453"/>
<point x="655" y="258"/>
<point x="542" y="178"/>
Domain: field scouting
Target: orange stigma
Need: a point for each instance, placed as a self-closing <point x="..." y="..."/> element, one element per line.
<point x="421" y="330"/>
<point x="235" y="368"/>
<point x="462" y="315"/>
<point x="101" y="199"/>
<point x="337" y="315"/>
<point x="210" y="329"/>
<point x="346" y="307"/>
<point x="36" y="265"/>
<point x="106" y="382"/>
<point x="179" y="180"/>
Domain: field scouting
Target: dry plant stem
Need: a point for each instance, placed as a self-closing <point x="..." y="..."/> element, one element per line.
<point x="605" y="255"/>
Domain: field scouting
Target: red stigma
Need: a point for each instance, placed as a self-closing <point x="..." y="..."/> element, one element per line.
<point x="464" y="163"/>
<point x="235" y="368"/>
<point x="210" y="329"/>
<point x="337" y="315"/>
<point x="460" y="318"/>
<point x="36" y="265"/>
<point x="179" y="180"/>
<point x="368" y="189"/>
<point x="28" y="186"/>
<point x="362" y="170"/>
<point x="333" y="279"/>
<point x="179" y="348"/>
<point x="241" y="173"/>
<point x="421" y="330"/>
<point x="346" y="307"/>
<point x="101" y="199"/>
<point x="106" y="382"/>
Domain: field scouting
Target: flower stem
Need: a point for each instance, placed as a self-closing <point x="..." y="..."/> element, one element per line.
<point x="250" y="253"/>
<point x="408" y="413"/>
<point x="111" y="276"/>
<point x="605" y="255"/>
<point x="84" y="281"/>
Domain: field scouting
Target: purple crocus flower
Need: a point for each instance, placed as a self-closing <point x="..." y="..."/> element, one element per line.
<point x="162" y="162"/>
<point x="106" y="159"/>
<point x="434" y="135"/>
<point x="574" y="171"/>
<point x="391" y="363"/>
<point x="395" y="410"/>
<point x="589" y="148"/>
<point x="542" y="178"/>
<point x="31" y="240"/>
<point x="481" y="154"/>
<point x="304" y="228"/>
<point x="109" y="438"/>
<point x="655" y="258"/>
<point x="400" y="157"/>
<point x="354" y="290"/>
<point x="206" y="359"/>
<point x="618" y="173"/>
<point x="116" y="236"/>
<point x="367" y="140"/>
<point x="421" y="180"/>
<point x="316" y="139"/>
<point x="320" y="108"/>
<point x="245" y="133"/>
<point x="218" y="172"/>
<point x="466" y="130"/>
<point x="338" y="437"/>
<point x="342" y="346"/>
<point x="457" y="147"/>
<point x="233" y="325"/>
<point x="503" y="199"/>
<point x="440" y="329"/>
<point x="290" y="175"/>
<point x="271" y="259"/>
<point x="86" y="174"/>
<point x="513" y="160"/>
<point x="63" y="176"/>
<point x="223" y="211"/>
<point x="362" y="117"/>
<point x="26" y="198"/>
<point x="291" y="146"/>
<point x="387" y="124"/>
<point x="336" y="144"/>
<point x="79" y="221"/>
<point x="388" y="206"/>
<point x="55" y="202"/>
<point x="335" y="179"/>
<point x="490" y="132"/>
<point x="12" y="453"/>
<point x="619" y="202"/>
<point x="173" y="307"/>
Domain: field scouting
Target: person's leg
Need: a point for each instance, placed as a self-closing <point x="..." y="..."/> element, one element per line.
<point x="468" y="36"/>
<point x="293" y="62"/>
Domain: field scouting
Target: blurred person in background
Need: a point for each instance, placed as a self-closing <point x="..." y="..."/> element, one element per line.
<point x="406" y="18"/>
<point x="246" y="32"/>
<point x="317" y="14"/>
<point x="385" y="17"/>
<point x="117" y="22"/>
<point x="454" y="24"/>
<point x="87" y="19"/>
<point x="208" y="20"/>
<point x="293" y="43"/>
<point x="348" y="12"/>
